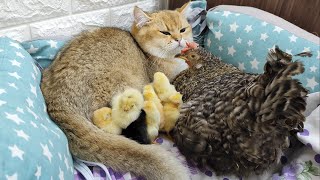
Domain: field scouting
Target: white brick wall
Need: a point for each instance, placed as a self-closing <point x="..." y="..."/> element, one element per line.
<point x="36" y="19"/>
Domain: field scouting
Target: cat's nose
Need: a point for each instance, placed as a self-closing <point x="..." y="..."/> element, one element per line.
<point x="179" y="41"/>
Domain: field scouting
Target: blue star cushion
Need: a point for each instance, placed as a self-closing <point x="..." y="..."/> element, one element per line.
<point x="244" y="41"/>
<point x="31" y="145"/>
<point x="43" y="50"/>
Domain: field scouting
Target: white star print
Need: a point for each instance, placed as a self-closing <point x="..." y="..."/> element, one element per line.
<point x="66" y="161"/>
<point x="47" y="119"/>
<point x="220" y="23"/>
<point x="208" y="42"/>
<point x="32" y="49"/>
<point x="220" y="48"/>
<point x="15" y="74"/>
<point x="1" y="50"/>
<point x="277" y="29"/>
<point x="53" y="44"/>
<point x="22" y="134"/>
<point x="14" y="117"/>
<point x="15" y="63"/>
<point x="51" y="144"/>
<point x="226" y="13"/>
<point x="318" y="57"/>
<point x="33" y="76"/>
<point x="13" y="85"/>
<point x="289" y="51"/>
<point x="306" y="49"/>
<point x="218" y="35"/>
<point x="38" y="173"/>
<point x="264" y="23"/>
<point x="44" y="127"/>
<point x="293" y="38"/>
<point x="233" y="27"/>
<point x="239" y="40"/>
<point x="273" y="48"/>
<point x="20" y="54"/>
<point x="60" y="157"/>
<point x="44" y="108"/>
<point x="264" y="36"/>
<point x="248" y="28"/>
<point x="231" y="50"/>
<point x="241" y="66"/>
<point x="312" y="82"/>
<point x="249" y="53"/>
<point x="2" y="102"/>
<point x="2" y="91"/>
<point x="35" y="69"/>
<point x="20" y="110"/>
<point x="16" y="45"/>
<point x="16" y="152"/>
<point x="33" y="124"/>
<point x="31" y="112"/>
<point x="237" y="14"/>
<point x="33" y="90"/>
<point x="210" y="25"/>
<point x="55" y="133"/>
<point x="254" y="64"/>
<point x="46" y="152"/>
<point x="313" y="68"/>
<point x="61" y="174"/>
<point x="30" y="102"/>
<point x="250" y="43"/>
<point x="12" y="177"/>
<point x="51" y="56"/>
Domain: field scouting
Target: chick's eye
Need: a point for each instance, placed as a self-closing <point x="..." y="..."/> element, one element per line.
<point x="165" y="33"/>
<point x="182" y="30"/>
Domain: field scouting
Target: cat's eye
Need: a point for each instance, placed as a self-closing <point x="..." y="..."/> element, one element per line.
<point x="165" y="33"/>
<point x="182" y="30"/>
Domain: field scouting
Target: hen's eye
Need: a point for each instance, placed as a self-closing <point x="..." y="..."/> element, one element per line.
<point x="182" y="30"/>
<point x="165" y="33"/>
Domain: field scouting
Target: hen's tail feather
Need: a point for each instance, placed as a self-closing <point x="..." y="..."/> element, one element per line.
<point x="284" y="97"/>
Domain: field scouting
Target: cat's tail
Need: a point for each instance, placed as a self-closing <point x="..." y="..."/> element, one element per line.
<point x="90" y="143"/>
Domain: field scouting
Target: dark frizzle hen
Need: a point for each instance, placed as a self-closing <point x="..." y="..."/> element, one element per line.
<point x="234" y="122"/>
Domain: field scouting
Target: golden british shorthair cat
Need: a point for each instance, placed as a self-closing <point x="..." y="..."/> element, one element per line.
<point x="98" y="64"/>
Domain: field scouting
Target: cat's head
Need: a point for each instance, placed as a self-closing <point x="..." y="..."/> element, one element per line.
<point x="162" y="34"/>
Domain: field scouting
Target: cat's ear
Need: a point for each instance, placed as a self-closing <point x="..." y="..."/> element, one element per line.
<point x="140" y="17"/>
<point x="184" y="9"/>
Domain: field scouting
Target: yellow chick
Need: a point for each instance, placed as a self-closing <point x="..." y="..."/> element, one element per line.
<point x="152" y="119"/>
<point x="126" y="107"/>
<point x="170" y="99"/>
<point x="171" y="111"/>
<point x="162" y="86"/>
<point x="102" y="119"/>
<point x="150" y="95"/>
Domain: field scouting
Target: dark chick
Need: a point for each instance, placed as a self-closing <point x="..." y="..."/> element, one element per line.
<point x="137" y="130"/>
<point x="234" y="122"/>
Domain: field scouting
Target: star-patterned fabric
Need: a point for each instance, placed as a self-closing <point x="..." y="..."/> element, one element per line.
<point x="244" y="41"/>
<point x="31" y="145"/>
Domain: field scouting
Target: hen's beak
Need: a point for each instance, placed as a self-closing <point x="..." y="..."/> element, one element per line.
<point x="181" y="56"/>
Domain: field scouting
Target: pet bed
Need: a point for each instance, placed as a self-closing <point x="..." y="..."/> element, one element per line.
<point x="305" y="165"/>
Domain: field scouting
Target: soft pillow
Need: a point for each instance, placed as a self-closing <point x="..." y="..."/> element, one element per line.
<point x="242" y="36"/>
<point x="43" y="50"/>
<point x="31" y="145"/>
